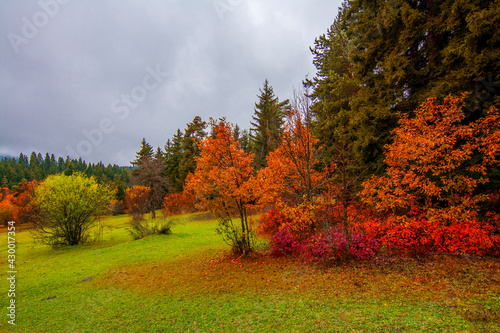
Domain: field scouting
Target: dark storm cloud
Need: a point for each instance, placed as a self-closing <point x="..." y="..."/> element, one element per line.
<point x="92" y="78"/>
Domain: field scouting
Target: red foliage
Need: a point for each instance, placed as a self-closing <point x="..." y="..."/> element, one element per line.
<point x="272" y="222"/>
<point x="325" y="244"/>
<point x="417" y="234"/>
<point x="284" y="242"/>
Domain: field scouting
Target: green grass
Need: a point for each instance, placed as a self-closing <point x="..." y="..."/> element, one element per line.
<point x="188" y="282"/>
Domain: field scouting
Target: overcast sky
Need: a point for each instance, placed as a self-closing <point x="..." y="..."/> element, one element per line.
<point x="90" y="79"/>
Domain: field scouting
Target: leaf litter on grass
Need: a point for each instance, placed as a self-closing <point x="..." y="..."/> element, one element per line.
<point x="445" y="281"/>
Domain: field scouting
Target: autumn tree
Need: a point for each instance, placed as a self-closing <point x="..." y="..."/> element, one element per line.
<point x="26" y="208"/>
<point x="291" y="181"/>
<point x="137" y="201"/>
<point x="437" y="163"/>
<point x="7" y="208"/>
<point x="69" y="207"/>
<point x="223" y="182"/>
<point x="313" y="195"/>
<point x="267" y="124"/>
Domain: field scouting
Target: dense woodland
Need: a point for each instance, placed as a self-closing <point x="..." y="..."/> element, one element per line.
<point x="15" y="171"/>
<point x="398" y="129"/>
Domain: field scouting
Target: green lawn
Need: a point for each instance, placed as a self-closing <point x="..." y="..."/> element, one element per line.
<point x="187" y="282"/>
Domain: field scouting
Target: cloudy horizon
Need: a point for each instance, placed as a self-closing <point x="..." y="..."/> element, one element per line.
<point x="90" y="79"/>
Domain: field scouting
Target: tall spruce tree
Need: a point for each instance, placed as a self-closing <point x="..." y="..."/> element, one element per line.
<point x="267" y="124"/>
<point x="333" y="87"/>
<point x="407" y="51"/>
<point x="194" y="133"/>
<point x="173" y="159"/>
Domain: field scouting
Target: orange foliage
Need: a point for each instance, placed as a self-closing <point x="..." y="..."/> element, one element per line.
<point x="436" y="163"/>
<point x="7" y="208"/>
<point x="290" y="174"/>
<point x="224" y="183"/>
<point x="223" y="180"/>
<point x="290" y="181"/>
<point x="26" y="210"/>
<point x="136" y="199"/>
<point x="173" y="204"/>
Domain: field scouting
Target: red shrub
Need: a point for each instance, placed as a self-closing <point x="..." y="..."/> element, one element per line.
<point x="284" y="242"/>
<point x="332" y="244"/>
<point x="321" y="245"/>
<point x="418" y="235"/>
<point x="272" y="222"/>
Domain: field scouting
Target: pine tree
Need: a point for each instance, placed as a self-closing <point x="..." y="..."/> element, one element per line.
<point x="267" y="124"/>
<point x="194" y="133"/>
<point x="173" y="158"/>
<point x="244" y="140"/>
<point x="33" y="160"/>
<point x="70" y="169"/>
<point x="60" y="164"/>
<point x="146" y="152"/>
<point x="333" y="87"/>
<point x="160" y="155"/>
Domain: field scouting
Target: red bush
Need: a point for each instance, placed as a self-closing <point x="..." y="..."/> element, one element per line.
<point x="326" y="244"/>
<point x="272" y="222"/>
<point x="418" y="235"/>
<point x="284" y="242"/>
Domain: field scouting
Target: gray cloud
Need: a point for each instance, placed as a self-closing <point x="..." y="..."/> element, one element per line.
<point x="64" y="84"/>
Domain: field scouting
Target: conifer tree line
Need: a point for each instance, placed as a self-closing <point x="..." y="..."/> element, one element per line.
<point x="14" y="171"/>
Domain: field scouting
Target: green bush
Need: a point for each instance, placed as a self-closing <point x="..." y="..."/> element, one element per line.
<point x="69" y="207"/>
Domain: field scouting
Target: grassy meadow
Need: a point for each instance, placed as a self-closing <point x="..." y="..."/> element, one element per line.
<point x="189" y="282"/>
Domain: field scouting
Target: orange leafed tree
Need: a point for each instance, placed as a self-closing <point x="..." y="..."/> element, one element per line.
<point x="224" y="182"/>
<point x="136" y="199"/>
<point x="27" y="210"/>
<point x="290" y="181"/>
<point x="7" y="208"/>
<point x="437" y="162"/>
